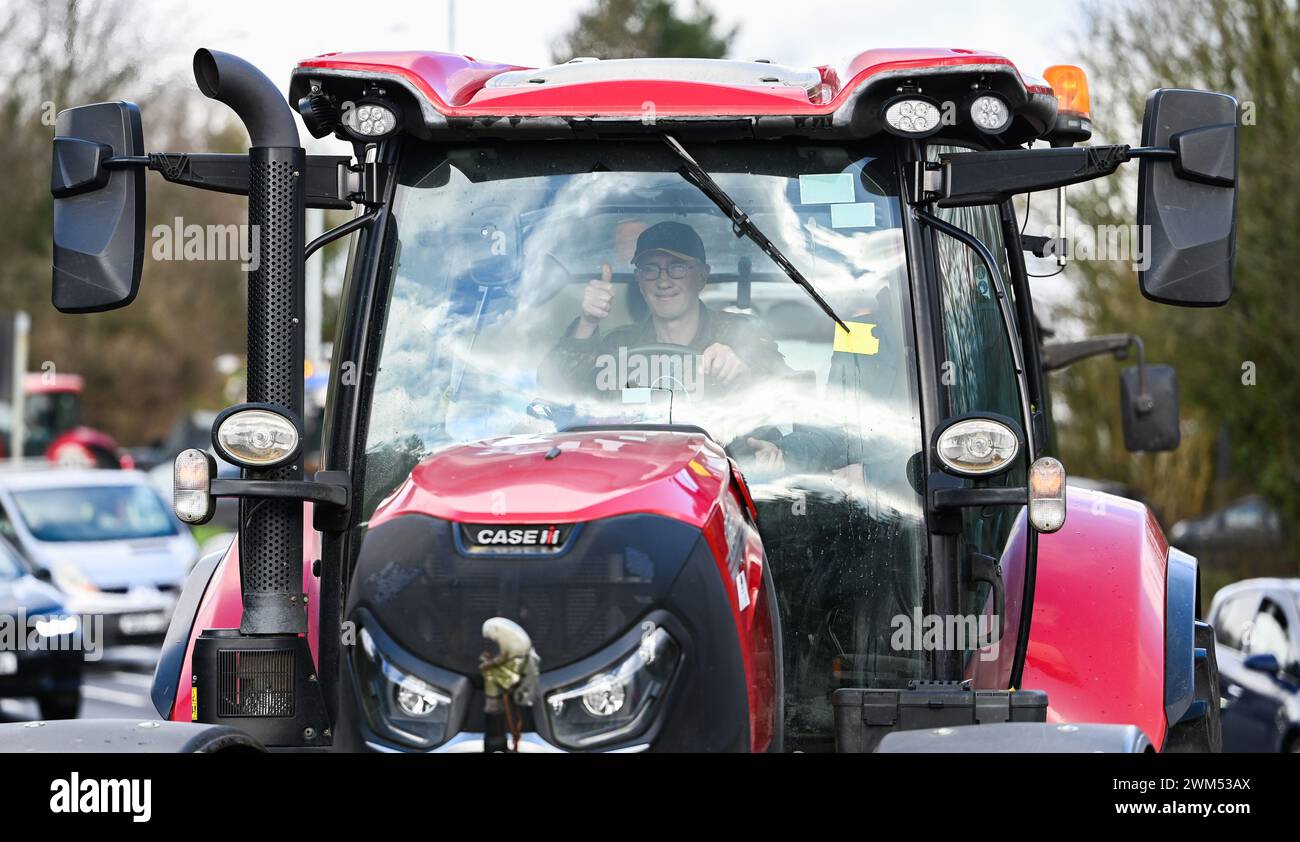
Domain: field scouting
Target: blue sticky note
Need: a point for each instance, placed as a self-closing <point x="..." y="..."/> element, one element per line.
<point x="826" y="189"/>
<point x="856" y="215"/>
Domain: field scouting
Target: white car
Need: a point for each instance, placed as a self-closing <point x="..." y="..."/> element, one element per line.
<point x="108" y="540"/>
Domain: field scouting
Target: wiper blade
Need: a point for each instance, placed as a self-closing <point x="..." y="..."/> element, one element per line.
<point x="742" y="225"/>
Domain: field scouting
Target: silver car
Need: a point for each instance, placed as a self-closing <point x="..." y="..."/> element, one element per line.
<point x="108" y="540"/>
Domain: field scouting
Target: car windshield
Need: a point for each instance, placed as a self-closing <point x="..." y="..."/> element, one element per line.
<point x="94" y="513"/>
<point x="10" y="567"/>
<point x="538" y="287"/>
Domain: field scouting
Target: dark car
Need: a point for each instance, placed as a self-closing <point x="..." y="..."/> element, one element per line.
<point x="1257" y="626"/>
<point x="1249" y="523"/>
<point x="49" y="671"/>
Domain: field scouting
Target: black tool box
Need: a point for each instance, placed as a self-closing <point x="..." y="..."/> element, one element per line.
<point x="864" y="716"/>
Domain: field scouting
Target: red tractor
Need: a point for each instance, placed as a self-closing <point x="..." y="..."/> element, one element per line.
<point x="679" y="405"/>
<point x="53" y="428"/>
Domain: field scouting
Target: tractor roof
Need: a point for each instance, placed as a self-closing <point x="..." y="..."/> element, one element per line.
<point x="40" y="383"/>
<point x="454" y="92"/>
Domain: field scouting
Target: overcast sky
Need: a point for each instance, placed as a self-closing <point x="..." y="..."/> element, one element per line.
<point x="274" y="36"/>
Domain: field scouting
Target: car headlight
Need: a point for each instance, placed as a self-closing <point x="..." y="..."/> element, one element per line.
<point x="397" y="704"/>
<point x="55" y="626"/>
<point x="68" y="577"/>
<point x="617" y="703"/>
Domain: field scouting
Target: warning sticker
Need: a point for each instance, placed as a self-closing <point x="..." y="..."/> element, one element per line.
<point x="826" y="189"/>
<point x="857" y="339"/>
<point x="742" y="590"/>
<point x="856" y="215"/>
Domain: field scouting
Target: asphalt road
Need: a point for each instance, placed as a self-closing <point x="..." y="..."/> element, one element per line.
<point x="116" y="687"/>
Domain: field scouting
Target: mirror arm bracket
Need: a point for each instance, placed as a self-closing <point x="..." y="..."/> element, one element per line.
<point x="965" y="498"/>
<point x="969" y="178"/>
<point x="354" y="224"/>
<point x="332" y="183"/>
<point x="947" y="495"/>
<point x="1063" y="354"/>
<point x="1155" y="153"/>
<point x="330" y="491"/>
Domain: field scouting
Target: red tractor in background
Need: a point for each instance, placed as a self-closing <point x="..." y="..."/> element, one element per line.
<point x="53" y="429"/>
<point x="678" y="405"/>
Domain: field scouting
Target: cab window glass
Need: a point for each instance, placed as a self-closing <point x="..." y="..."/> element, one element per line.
<point x="978" y="374"/>
<point x="1269" y="633"/>
<point x="1233" y="620"/>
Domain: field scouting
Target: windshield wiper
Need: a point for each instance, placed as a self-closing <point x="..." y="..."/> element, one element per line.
<point x="742" y="225"/>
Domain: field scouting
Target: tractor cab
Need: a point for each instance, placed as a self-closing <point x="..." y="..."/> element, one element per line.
<point x="492" y="336"/>
<point x="678" y="405"/>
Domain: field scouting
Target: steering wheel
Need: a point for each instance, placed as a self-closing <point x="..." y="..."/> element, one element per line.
<point x="668" y="349"/>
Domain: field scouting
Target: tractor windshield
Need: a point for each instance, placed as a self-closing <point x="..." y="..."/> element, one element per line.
<point x="541" y="286"/>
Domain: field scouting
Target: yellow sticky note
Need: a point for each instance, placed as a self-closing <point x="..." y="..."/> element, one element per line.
<point x="857" y="339"/>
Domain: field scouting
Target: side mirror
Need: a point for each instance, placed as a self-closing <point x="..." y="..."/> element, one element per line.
<point x="1265" y="662"/>
<point x="1187" y="200"/>
<point x="1148" y="398"/>
<point x="98" y="208"/>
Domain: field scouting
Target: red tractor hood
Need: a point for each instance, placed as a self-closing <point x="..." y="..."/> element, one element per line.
<point x="567" y="478"/>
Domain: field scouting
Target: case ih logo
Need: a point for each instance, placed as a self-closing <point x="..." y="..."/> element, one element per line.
<point x="484" y="537"/>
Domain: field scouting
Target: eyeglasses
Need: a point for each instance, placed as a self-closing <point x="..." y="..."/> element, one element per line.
<point x="652" y="271"/>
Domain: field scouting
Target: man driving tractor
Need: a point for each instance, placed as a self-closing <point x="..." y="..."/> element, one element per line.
<point x="671" y="271"/>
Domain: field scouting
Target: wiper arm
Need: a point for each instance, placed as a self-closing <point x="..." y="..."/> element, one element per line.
<point x="742" y="225"/>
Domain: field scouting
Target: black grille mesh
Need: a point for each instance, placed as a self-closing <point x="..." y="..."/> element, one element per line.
<point x="255" y="683"/>
<point x="271" y="553"/>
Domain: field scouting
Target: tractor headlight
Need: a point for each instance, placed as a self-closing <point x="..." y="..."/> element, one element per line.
<point x="977" y="447"/>
<point x="619" y="702"/>
<point x="990" y="113"/>
<point x="399" y="705"/>
<point x="255" y="437"/>
<point x="192" y="476"/>
<point x="912" y="116"/>
<point x="369" y="119"/>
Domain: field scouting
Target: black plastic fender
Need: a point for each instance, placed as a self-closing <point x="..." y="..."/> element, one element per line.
<point x="1180" y="630"/>
<point x="171" y="658"/>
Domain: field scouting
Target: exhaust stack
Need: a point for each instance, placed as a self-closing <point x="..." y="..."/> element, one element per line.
<point x="261" y="679"/>
<point x="270" y="533"/>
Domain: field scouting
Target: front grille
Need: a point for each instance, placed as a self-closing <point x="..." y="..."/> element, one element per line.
<point x="434" y="596"/>
<point x="255" y="683"/>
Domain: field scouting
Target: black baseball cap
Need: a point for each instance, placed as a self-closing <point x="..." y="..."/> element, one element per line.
<point x="676" y="238"/>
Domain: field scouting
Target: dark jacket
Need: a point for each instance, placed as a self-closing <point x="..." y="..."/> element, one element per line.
<point x="571" y="363"/>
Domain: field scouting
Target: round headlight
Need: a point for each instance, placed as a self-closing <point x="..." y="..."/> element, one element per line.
<point x="369" y="119"/>
<point x="990" y="113"/>
<point x="604" y="696"/>
<point x="977" y="447"/>
<point x="259" y="438"/>
<point x="913" y="117"/>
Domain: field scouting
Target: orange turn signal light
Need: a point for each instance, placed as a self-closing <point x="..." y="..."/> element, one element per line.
<point x="1070" y="84"/>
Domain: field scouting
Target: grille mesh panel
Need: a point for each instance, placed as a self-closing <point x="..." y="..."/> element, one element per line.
<point x="255" y="683"/>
